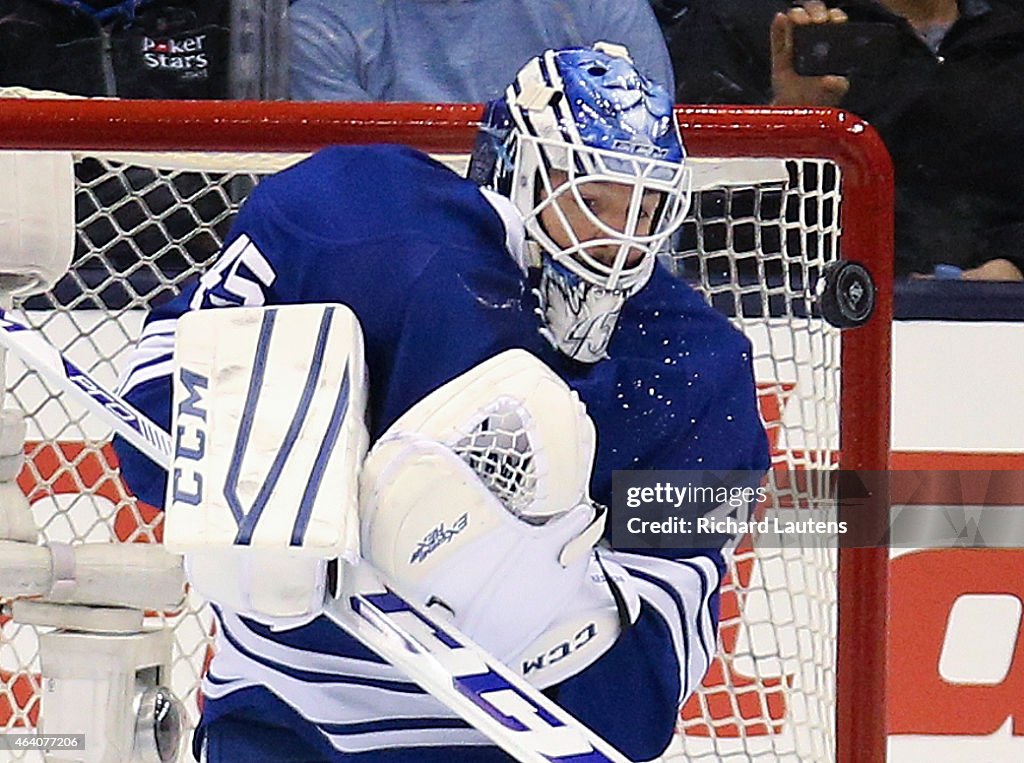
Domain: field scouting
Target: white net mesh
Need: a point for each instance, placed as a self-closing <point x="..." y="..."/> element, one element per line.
<point x="499" y="450"/>
<point x="758" y="237"/>
<point x="758" y="234"/>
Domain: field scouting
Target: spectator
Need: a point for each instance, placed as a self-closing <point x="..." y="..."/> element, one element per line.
<point x="948" y="109"/>
<point x="127" y="48"/>
<point x="720" y="49"/>
<point x="452" y="50"/>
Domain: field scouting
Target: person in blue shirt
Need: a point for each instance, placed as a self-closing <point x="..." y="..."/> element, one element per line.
<point x="439" y="51"/>
<point x="577" y="181"/>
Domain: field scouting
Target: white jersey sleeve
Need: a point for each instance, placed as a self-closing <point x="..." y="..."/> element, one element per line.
<point x="681" y="592"/>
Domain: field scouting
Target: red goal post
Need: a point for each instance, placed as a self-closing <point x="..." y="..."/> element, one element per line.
<point x="862" y="229"/>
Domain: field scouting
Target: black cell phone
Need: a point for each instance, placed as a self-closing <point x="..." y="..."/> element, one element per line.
<point x="858" y="48"/>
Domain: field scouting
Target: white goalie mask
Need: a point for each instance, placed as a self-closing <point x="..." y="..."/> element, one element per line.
<point x="588" y="151"/>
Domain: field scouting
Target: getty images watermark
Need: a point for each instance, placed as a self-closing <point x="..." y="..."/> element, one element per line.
<point x="732" y="500"/>
<point x="816" y="508"/>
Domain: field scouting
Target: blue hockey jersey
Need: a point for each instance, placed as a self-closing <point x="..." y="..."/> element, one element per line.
<point x="424" y="258"/>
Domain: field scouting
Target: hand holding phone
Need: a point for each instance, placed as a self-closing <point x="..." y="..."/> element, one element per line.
<point x="789" y="88"/>
<point x="852" y="48"/>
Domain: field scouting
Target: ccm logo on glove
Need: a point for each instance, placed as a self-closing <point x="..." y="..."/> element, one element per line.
<point x="561" y="651"/>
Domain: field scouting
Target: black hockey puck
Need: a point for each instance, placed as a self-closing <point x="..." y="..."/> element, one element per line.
<point x="846" y="294"/>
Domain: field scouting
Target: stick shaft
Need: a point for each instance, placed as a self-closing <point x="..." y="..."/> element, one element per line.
<point x="32" y="349"/>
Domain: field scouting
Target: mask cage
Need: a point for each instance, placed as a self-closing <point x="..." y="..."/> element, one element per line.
<point x="537" y="157"/>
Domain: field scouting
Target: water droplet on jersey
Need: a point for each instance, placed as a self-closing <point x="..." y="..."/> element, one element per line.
<point x="511" y="303"/>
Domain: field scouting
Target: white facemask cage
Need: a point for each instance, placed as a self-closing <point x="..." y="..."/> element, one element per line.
<point x="534" y="191"/>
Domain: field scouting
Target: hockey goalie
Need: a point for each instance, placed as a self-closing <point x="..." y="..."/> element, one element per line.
<point x="497" y="347"/>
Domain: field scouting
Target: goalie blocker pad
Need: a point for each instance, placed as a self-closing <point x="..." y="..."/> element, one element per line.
<point x="269" y="433"/>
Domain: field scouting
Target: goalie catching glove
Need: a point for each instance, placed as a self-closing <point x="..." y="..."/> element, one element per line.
<point x="475" y="503"/>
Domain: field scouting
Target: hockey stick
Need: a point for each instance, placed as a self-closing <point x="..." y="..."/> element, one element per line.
<point x="32" y="349"/>
<point x="443" y="661"/>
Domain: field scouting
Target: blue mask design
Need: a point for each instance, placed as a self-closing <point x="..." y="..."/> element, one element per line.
<point x="617" y="108"/>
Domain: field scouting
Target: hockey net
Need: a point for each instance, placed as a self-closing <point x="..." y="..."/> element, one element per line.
<point x="777" y="196"/>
